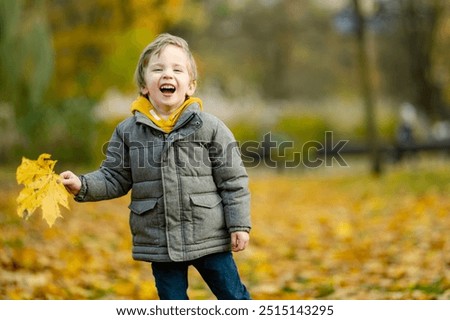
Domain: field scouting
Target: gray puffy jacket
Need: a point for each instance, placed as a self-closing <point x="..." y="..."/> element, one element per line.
<point x="189" y="187"/>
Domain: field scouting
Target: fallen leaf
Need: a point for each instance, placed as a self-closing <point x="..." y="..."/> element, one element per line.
<point x="41" y="189"/>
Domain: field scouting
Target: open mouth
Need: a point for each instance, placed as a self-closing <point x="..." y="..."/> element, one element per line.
<point x="167" y="88"/>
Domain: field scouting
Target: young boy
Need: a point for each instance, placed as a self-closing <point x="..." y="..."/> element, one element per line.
<point x="190" y="201"/>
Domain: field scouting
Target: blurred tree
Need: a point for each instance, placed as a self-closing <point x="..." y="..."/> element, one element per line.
<point x="97" y="43"/>
<point x="26" y="63"/>
<point x="367" y="88"/>
<point x="284" y="50"/>
<point x="279" y="48"/>
<point x="82" y="32"/>
<point x="57" y="58"/>
<point x="411" y="45"/>
<point x="292" y="49"/>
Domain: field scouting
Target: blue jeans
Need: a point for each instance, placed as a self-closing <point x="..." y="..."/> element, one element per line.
<point x="218" y="270"/>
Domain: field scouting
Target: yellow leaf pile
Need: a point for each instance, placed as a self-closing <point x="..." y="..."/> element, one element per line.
<point x="316" y="235"/>
<point x="41" y="189"/>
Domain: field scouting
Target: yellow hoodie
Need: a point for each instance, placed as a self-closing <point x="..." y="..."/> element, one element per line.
<point x="144" y="106"/>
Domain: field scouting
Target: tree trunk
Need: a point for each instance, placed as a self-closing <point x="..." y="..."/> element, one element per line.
<point x="367" y="91"/>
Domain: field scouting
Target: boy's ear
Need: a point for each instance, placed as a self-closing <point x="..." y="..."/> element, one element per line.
<point x="144" y="91"/>
<point x="192" y="87"/>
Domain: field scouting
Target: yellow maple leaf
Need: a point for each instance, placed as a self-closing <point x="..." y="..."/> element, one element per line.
<point x="41" y="189"/>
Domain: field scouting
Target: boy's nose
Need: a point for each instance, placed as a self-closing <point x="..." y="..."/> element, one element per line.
<point x="167" y="74"/>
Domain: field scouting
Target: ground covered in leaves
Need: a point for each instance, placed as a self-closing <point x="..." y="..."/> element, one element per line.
<point x="320" y="234"/>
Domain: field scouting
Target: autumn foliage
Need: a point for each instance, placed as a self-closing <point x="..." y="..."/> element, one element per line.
<point x="41" y="188"/>
<point x="316" y="235"/>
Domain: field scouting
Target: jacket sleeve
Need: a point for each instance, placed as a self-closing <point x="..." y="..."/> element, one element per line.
<point x="231" y="179"/>
<point x="113" y="178"/>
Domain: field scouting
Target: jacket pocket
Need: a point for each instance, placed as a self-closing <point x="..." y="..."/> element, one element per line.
<point x="206" y="200"/>
<point x="208" y="217"/>
<point x="141" y="206"/>
<point x="147" y="221"/>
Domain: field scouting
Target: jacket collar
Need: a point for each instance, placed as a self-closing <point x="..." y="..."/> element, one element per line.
<point x="189" y="118"/>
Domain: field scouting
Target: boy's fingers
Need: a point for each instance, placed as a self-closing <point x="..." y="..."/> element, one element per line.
<point x="233" y="240"/>
<point x="65" y="177"/>
<point x="238" y="243"/>
<point x="65" y="174"/>
<point x="70" y="181"/>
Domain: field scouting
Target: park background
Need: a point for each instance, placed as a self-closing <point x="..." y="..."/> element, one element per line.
<point x="374" y="73"/>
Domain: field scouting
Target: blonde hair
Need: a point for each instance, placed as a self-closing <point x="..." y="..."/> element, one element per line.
<point x="155" y="48"/>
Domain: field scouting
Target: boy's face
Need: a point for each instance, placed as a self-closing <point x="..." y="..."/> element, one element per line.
<point x="167" y="79"/>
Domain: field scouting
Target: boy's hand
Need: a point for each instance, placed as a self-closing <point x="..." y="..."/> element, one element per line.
<point x="239" y="240"/>
<point x="71" y="182"/>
